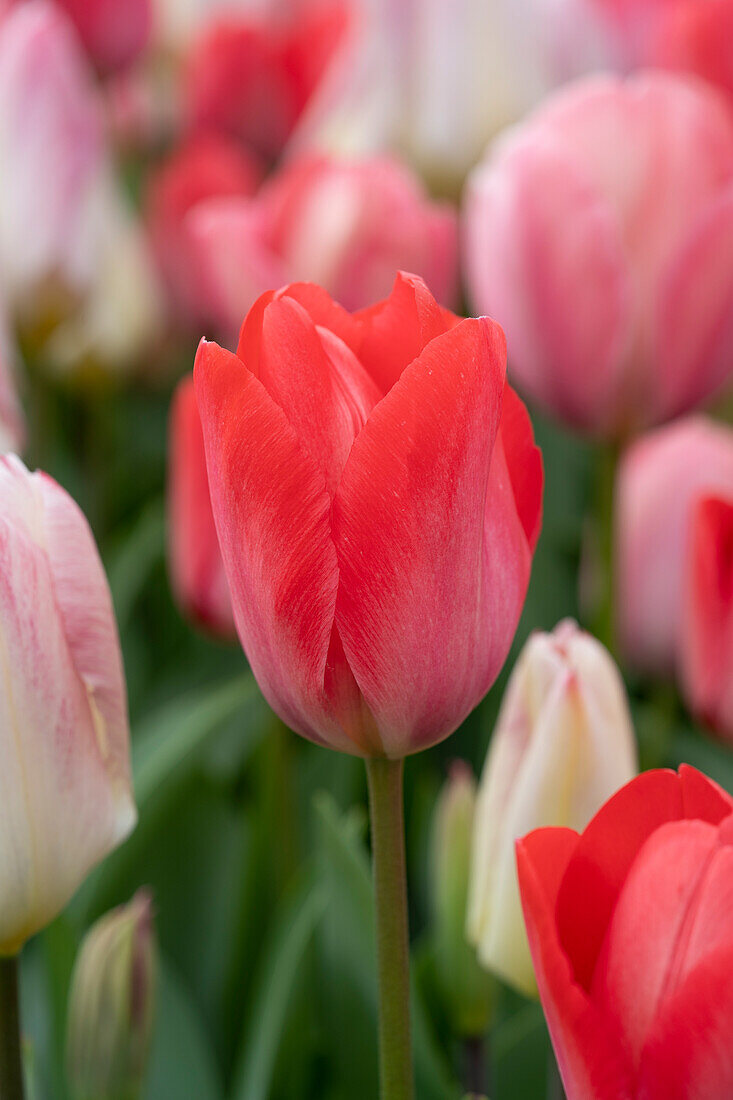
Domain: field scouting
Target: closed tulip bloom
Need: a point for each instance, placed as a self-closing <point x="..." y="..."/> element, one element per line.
<point x="562" y="745"/>
<point x="346" y="225"/>
<point x="197" y="570"/>
<point x="51" y="149"/>
<point x="600" y="233"/>
<point x="661" y="480"/>
<point x="706" y="638"/>
<point x="629" y="925"/>
<point x="376" y="490"/>
<point x="201" y="168"/>
<point x="66" y="794"/>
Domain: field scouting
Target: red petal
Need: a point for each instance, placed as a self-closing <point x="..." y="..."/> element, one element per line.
<point x="588" y="1050"/>
<point x="689" y="1053"/>
<point x="408" y="522"/>
<point x="524" y="461"/>
<point x="395" y="331"/>
<point x="272" y="515"/>
<point x="609" y="846"/>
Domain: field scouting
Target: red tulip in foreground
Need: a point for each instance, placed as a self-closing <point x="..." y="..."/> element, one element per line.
<point x="377" y="494"/>
<point x="600" y="233"/>
<point x="631" y="937"/>
<point x="197" y="571"/>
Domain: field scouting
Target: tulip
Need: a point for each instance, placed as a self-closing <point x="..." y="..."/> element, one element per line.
<point x="684" y="35"/>
<point x="197" y="570"/>
<point x="376" y="491"/>
<point x="466" y="989"/>
<point x="706" y="638"/>
<point x="51" y="150"/>
<point x="600" y="233"/>
<point x="434" y="81"/>
<point x="347" y="225"/>
<point x="563" y="743"/>
<point x="201" y="168"/>
<point x="629" y="926"/>
<point x="251" y="79"/>
<point x="661" y="480"/>
<point x="113" y="33"/>
<point x="67" y="799"/>
<point x="111" y="1004"/>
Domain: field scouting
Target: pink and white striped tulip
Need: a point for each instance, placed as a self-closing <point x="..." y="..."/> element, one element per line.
<point x="65" y="792"/>
<point x="600" y="234"/>
<point x="346" y="225"/>
<point x="661" y="481"/>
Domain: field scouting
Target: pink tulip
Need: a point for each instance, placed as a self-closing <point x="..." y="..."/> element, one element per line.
<point x="199" y="169"/>
<point x="66" y="794"/>
<point x="51" y="150"/>
<point x="661" y="480"/>
<point x="197" y="571"/>
<point x="706" y="639"/>
<point x="600" y="234"/>
<point x="347" y="225"/>
<point x="377" y="494"/>
<point x="252" y="78"/>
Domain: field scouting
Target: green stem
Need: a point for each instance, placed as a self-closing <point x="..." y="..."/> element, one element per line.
<point x="393" y="952"/>
<point x="11" y="1063"/>
<point x="605" y="612"/>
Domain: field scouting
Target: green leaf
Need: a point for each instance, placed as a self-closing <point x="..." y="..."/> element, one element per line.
<point x="131" y="565"/>
<point x="171" y="737"/>
<point x="182" y="1064"/>
<point x="283" y="958"/>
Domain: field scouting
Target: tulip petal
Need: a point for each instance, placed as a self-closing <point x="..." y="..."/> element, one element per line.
<point x="408" y="523"/>
<point x="396" y="330"/>
<point x="65" y="780"/>
<point x="589" y="1050"/>
<point x="524" y="462"/>
<point x="271" y="510"/>
<point x="538" y="236"/>
<point x="609" y="846"/>
<point x="694" y="323"/>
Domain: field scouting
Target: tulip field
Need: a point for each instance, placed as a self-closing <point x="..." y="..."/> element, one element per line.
<point x="366" y="550"/>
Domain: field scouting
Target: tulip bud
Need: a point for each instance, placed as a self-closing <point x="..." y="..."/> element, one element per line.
<point x="466" y="988"/>
<point x="111" y="1004"/>
<point x="563" y="744"/>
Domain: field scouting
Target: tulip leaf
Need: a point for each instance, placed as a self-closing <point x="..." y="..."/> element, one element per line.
<point x="132" y="563"/>
<point x="182" y="1063"/>
<point x="173" y="734"/>
<point x="283" y="958"/>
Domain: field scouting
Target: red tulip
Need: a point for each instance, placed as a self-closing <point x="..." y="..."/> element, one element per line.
<point x="630" y="931"/>
<point x="707" y="636"/>
<point x="113" y="32"/>
<point x="252" y="80"/>
<point x="377" y="494"/>
<point x="600" y="233"/>
<point x="202" y="168"/>
<point x="197" y="571"/>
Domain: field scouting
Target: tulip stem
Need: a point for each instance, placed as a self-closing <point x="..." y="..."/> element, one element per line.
<point x="393" y="951"/>
<point x="11" y="1063"/>
<point x="605" y="613"/>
